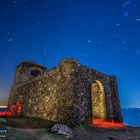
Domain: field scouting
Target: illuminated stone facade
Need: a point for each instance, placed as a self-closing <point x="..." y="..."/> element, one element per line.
<point x="98" y="101"/>
<point x="69" y="93"/>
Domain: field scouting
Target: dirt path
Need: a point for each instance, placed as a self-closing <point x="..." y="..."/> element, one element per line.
<point x="92" y="133"/>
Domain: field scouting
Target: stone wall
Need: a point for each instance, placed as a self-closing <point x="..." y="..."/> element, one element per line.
<point x="63" y="94"/>
<point x="115" y="100"/>
<point x="23" y="71"/>
<point x="48" y="96"/>
<point x="84" y="79"/>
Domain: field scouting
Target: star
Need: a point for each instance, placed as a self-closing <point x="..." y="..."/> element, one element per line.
<point x="16" y="1"/>
<point x="125" y="48"/>
<point x="137" y="52"/>
<point x="10" y="39"/>
<point x="138" y="19"/>
<point x="126" y="14"/>
<point x="98" y="43"/>
<point x="124" y="42"/>
<point x="89" y="41"/>
<point x="117" y="24"/>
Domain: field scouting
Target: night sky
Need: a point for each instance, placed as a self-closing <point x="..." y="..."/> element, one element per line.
<point x="103" y="34"/>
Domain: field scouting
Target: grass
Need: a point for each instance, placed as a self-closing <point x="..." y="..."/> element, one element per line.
<point x="29" y="123"/>
<point x="82" y="126"/>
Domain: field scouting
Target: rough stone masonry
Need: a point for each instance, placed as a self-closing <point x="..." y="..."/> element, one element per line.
<point x="69" y="93"/>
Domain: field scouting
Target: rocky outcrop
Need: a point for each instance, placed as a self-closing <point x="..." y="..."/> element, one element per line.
<point x="62" y="129"/>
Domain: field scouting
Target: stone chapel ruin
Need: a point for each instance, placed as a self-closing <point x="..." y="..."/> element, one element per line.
<point x="69" y="93"/>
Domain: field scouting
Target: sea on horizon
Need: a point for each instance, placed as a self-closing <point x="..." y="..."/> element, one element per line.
<point x="3" y="109"/>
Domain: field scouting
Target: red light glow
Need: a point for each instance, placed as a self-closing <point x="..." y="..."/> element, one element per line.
<point x="13" y="111"/>
<point x="6" y="114"/>
<point x="106" y="124"/>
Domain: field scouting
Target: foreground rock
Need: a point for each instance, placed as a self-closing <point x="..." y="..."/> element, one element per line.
<point x="62" y="129"/>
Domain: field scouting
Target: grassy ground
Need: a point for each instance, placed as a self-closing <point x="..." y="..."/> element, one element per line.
<point x="31" y="123"/>
<point x="36" y="129"/>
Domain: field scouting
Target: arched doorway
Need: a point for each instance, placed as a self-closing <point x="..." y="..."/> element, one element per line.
<point x="98" y="101"/>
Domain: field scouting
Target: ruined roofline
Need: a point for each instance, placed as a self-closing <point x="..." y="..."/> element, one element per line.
<point x="56" y="67"/>
<point x="65" y="60"/>
<point x="38" y="65"/>
<point x="69" y="60"/>
<point x="30" y="63"/>
<point x="78" y="62"/>
<point x="97" y="71"/>
<point x="35" y="78"/>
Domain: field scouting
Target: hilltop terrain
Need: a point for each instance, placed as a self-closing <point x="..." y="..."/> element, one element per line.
<point x="23" y="130"/>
